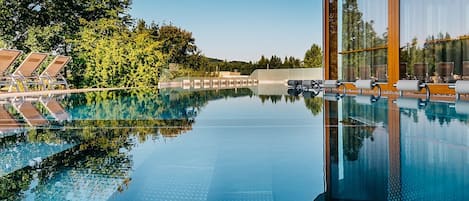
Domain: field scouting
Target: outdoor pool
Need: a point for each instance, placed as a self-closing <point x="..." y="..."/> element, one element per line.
<point x="232" y="144"/>
<point x="132" y="145"/>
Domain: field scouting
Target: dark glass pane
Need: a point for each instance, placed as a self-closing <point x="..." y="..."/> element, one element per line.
<point x="434" y="33"/>
<point x="363" y="39"/>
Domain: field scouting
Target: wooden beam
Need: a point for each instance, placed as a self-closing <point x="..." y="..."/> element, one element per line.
<point x="325" y="38"/>
<point x="393" y="41"/>
<point x="330" y="39"/>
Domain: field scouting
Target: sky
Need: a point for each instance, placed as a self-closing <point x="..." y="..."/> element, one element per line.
<point x="241" y="30"/>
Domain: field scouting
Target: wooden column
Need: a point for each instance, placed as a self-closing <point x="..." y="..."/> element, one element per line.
<point x="330" y="39"/>
<point x="393" y="43"/>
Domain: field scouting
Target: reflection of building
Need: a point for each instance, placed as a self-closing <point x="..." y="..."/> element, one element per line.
<point x="397" y="153"/>
<point x="388" y="40"/>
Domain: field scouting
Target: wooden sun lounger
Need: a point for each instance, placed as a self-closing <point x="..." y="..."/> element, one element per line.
<point x="7" y="58"/>
<point x="26" y="72"/>
<point x="52" y="76"/>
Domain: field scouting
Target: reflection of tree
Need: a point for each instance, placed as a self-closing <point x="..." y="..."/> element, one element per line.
<point x="443" y="114"/>
<point x="361" y="45"/>
<point x="436" y="48"/>
<point x="291" y="98"/>
<point x="314" y="105"/>
<point x="360" y="121"/>
<point x="411" y="113"/>
<point x="13" y="183"/>
<point x="438" y="112"/>
<point x="355" y="133"/>
<point x="273" y="98"/>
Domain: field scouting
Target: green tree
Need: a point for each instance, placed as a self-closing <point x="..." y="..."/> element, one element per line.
<point x="263" y="62"/>
<point x="286" y="63"/>
<point x="313" y="57"/>
<point x="275" y="62"/>
<point x="295" y="63"/>
<point x="177" y="43"/>
<point x="46" y="39"/>
<point x="113" y="56"/>
<point x="19" y="17"/>
<point x="141" y="26"/>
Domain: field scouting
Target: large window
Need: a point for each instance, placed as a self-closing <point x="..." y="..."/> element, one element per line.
<point x="363" y="39"/>
<point x="434" y="40"/>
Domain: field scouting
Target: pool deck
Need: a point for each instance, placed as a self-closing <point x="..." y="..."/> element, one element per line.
<point x="4" y="95"/>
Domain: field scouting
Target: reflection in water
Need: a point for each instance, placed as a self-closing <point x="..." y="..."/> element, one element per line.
<point x="380" y="151"/>
<point x="357" y="163"/>
<point x="82" y="146"/>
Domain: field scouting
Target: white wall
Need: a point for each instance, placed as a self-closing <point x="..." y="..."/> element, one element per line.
<point x="282" y="75"/>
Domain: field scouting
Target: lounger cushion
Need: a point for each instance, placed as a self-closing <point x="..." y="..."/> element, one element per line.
<point x="364" y="84"/>
<point x="408" y="85"/>
<point x="462" y="86"/>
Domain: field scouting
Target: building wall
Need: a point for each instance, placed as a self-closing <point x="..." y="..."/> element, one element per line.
<point x="283" y="75"/>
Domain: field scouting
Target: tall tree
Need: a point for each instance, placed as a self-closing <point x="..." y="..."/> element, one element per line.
<point x="286" y="63"/>
<point x="110" y="55"/>
<point x="263" y="62"/>
<point x="19" y="17"/>
<point x="275" y="62"/>
<point x="177" y="43"/>
<point x="313" y="57"/>
<point x="295" y="63"/>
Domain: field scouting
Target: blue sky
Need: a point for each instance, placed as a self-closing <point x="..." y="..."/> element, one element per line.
<point x="241" y="29"/>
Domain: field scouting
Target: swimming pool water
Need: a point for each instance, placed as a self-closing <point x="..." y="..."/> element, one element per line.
<point x="232" y="144"/>
<point x="404" y="149"/>
<point x="130" y="145"/>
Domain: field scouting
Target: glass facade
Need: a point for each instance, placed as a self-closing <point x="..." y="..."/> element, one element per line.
<point x="362" y="39"/>
<point x="434" y="40"/>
